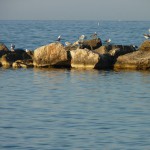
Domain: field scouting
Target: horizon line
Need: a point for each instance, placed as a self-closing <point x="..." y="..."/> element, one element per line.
<point x="119" y="20"/>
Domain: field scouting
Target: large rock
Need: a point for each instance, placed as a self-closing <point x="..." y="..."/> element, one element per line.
<point x="53" y="54"/>
<point x="91" y="44"/>
<point x="3" y="47"/>
<point x="7" y="59"/>
<point x="136" y="60"/>
<point x="84" y="58"/>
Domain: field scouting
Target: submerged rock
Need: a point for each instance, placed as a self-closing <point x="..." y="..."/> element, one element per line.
<point x="53" y="54"/>
<point x="136" y="60"/>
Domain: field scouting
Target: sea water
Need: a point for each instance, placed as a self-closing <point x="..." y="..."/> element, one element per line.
<point x="70" y="109"/>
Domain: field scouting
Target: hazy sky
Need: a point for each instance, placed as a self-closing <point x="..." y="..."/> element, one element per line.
<point x="75" y="9"/>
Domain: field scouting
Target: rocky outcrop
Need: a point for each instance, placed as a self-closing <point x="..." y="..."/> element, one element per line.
<point x="8" y="58"/>
<point x="53" y="54"/>
<point x="56" y="55"/>
<point x="136" y="60"/>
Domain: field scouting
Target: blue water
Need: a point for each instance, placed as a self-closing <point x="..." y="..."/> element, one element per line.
<point x="32" y="34"/>
<point x="70" y="109"/>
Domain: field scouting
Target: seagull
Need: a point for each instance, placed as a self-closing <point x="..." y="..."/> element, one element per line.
<point x="82" y="37"/>
<point x="108" y="41"/>
<point x="12" y="47"/>
<point x="67" y="43"/>
<point x="81" y="40"/>
<point x="59" y="38"/>
<point x="135" y="46"/>
<point x="147" y="36"/>
<point x="94" y="36"/>
<point x="27" y="50"/>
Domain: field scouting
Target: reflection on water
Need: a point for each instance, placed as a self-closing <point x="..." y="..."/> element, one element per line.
<point x="74" y="109"/>
<point x="61" y="109"/>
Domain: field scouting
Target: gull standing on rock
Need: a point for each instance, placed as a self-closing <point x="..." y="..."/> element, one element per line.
<point x="147" y="36"/>
<point x="12" y="47"/>
<point x="59" y="38"/>
<point x="94" y="36"/>
<point x="82" y="38"/>
<point x="108" y="41"/>
<point x="68" y="44"/>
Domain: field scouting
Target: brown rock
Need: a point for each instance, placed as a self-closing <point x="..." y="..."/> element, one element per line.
<point x="3" y="47"/>
<point x="7" y="59"/>
<point x="53" y="54"/>
<point x="136" y="60"/>
<point x="145" y="46"/>
<point x="115" y="50"/>
<point x="84" y="58"/>
<point x="91" y="44"/>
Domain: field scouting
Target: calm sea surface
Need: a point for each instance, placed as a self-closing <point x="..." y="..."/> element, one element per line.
<point x="70" y="109"/>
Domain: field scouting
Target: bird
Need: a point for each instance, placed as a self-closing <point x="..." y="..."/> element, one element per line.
<point x="68" y="44"/>
<point x="94" y="36"/>
<point x="82" y="38"/>
<point x="107" y="41"/>
<point x="59" y="38"/>
<point x="12" y="47"/>
<point x="135" y="47"/>
<point x="27" y="50"/>
<point x="147" y="36"/>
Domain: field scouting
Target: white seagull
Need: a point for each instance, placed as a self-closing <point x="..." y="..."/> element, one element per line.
<point x="12" y="47"/>
<point x="59" y="38"/>
<point x="108" y="40"/>
<point x="82" y="37"/>
<point x="147" y="36"/>
<point x="68" y="44"/>
<point x="94" y="36"/>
